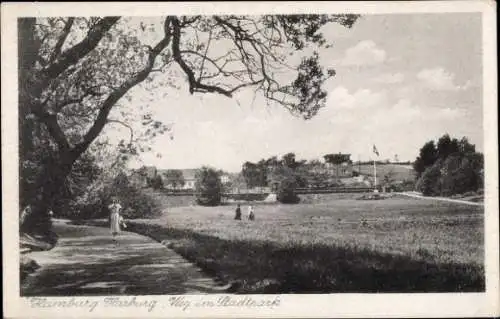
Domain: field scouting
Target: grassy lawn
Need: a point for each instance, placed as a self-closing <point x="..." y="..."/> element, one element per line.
<point x="400" y="172"/>
<point x="345" y="245"/>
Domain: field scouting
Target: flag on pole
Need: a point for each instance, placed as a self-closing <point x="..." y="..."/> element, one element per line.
<point x="375" y="150"/>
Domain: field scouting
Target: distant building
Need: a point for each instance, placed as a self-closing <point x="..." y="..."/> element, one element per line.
<point x="188" y="174"/>
<point x="224" y="179"/>
<point x="141" y="176"/>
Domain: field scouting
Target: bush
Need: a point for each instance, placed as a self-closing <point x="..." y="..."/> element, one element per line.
<point x="463" y="174"/>
<point x="94" y="203"/>
<point x="287" y="191"/>
<point x="155" y="182"/>
<point x="429" y="182"/>
<point x="457" y="174"/>
<point x="208" y="187"/>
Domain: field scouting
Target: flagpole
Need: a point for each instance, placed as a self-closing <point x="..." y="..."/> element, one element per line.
<point x="375" y="165"/>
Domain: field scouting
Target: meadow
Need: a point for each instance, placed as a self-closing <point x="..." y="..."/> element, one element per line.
<point x="337" y="244"/>
<point x="399" y="172"/>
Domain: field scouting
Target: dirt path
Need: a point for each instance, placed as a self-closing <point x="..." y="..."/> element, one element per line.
<point x="86" y="262"/>
<point x="444" y="199"/>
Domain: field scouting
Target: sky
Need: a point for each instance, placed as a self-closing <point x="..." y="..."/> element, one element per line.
<point x="401" y="81"/>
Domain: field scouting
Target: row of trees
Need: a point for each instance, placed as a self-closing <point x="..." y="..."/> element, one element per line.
<point x="306" y="173"/>
<point x="449" y="167"/>
<point x="287" y="173"/>
<point x="209" y="188"/>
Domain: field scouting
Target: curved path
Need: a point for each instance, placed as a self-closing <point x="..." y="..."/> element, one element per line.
<point x="444" y="199"/>
<point x="85" y="261"/>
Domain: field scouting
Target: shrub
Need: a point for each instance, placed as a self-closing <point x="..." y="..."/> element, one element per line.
<point x="457" y="174"/>
<point x="429" y="182"/>
<point x="208" y="187"/>
<point x="155" y="182"/>
<point x="94" y="203"/>
<point x="287" y="191"/>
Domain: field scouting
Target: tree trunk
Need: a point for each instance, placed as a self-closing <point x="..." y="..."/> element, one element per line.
<point x="45" y="193"/>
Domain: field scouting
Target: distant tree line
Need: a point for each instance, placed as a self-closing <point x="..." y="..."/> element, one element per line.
<point x="305" y="172"/>
<point x="288" y="173"/>
<point x="449" y="167"/>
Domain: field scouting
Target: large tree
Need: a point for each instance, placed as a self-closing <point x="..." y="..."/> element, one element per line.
<point x="427" y="157"/>
<point x="73" y="72"/>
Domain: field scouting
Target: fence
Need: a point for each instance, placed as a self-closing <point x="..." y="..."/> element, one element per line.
<point x="184" y="192"/>
<point x="299" y="191"/>
<point x="334" y="190"/>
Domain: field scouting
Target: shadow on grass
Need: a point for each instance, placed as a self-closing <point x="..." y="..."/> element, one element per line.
<point x="266" y="267"/>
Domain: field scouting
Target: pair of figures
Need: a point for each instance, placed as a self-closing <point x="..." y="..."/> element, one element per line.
<point x="251" y="214"/>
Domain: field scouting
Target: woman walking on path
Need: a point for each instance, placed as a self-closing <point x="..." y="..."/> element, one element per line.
<point x="116" y="220"/>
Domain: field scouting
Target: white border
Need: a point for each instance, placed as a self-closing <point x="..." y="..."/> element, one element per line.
<point x="334" y="305"/>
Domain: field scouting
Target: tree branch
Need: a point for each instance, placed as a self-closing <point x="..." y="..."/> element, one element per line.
<point x="196" y="85"/>
<point x="205" y="55"/>
<point x="126" y="125"/>
<point x="111" y="100"/>
<point x="61" y="40"/>
<point x="75" y="53"/>
<point x="50" y="121"/>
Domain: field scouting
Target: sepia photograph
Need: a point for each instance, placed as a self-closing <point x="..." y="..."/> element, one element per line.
<point x="239" y="155"/>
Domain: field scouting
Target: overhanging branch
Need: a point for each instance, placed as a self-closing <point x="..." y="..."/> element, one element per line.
<point x="78" y="51"/>
<point x="126" y="125"/>
<point x="111" y="100"/>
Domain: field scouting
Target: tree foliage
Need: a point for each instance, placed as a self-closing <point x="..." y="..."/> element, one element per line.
<point x="287" y="185"/>
<point x="208" y="187"/>
<point x="336" y="158"/>
<point x="73" y="73"/>
<point x="155" y="182"/>
<point x="427" y="157"/>
<point x="451" y="167"/>
<point x="255" y="174"/>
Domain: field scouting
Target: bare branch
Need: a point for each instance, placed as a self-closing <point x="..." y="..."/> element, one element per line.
<point x="196" y="85"/>
<point x="126" y="125"/>
<point x="205" y="55"/>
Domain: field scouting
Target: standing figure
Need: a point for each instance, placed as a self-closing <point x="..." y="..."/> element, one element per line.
<point x="238" y="213"/>
<point x="251" y="215"/>
<point x="116" y="220"/>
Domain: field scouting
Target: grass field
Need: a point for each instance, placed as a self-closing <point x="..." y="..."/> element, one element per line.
<point x="341" y="245"/>
<point x="400" y="172"/>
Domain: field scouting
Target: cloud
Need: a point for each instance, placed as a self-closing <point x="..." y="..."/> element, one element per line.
<point x="440" y="80"/>
<point x="363" y="53"/>
<point x="405" y="110"/>
<point x="340" y="98"/>
<point x="390" y="78"/>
